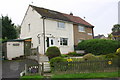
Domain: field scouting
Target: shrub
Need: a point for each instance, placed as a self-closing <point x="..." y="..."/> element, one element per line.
<point x="53" y="52"/>
<point x="118" y="51"/>
<point x="64" y="55"/>
<point x="74" y="54"/>
<point x="57" y="60"/>
<point x="89" y="56"/>
<point x="99" y="46"/>
<point x="110" y="55"/>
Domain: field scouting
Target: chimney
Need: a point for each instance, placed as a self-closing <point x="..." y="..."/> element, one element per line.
<point x="71" y="13"/>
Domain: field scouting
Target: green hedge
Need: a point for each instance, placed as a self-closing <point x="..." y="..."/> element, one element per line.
<point x="53" y="52"/>
<point x="99" y="46"/>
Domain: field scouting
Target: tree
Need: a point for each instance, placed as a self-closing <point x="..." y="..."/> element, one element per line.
<point x="8" y="28"/>
<point x="116" y="28"/>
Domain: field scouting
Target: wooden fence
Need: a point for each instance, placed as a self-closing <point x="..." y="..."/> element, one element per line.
<point x="34" y="69"/>
<point x="86" y="66"/>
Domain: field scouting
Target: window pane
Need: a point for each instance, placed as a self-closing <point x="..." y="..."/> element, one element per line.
<point x="61" y="25"/>
<point x="65" y="41"/>
<point x="60" y="41"/>
<point x="51" y="42"/>
<point x="81" y="29"/>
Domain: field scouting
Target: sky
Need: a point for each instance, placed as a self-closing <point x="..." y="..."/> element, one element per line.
<point x="102" y="14"/>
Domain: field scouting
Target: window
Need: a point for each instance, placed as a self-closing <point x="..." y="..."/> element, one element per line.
<point x="90" y="34"/>
<point x="81" y="29"/>
<point x="63" y="41"/>
<point x="80" y="41"/>
<point x="61" y="25"/>
<point x="51" y="41"/>
<point x="17" y="44"/>
<point x="28" y="27"/>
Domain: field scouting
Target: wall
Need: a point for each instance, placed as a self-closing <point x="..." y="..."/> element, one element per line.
<point x="14" y="51"/>
<point x="81" y="35"/>
<point x="67" y="32"/>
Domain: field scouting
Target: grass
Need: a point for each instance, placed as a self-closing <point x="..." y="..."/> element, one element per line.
<point x="36" y="77"/>
<point x="89" y="75"/>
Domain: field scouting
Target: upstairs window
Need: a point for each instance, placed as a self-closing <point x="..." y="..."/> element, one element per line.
<point x="64" y="41"/>
<point x="61" y="25"/>
<point x="81" y="29"/>
<point x="29" y="27"/>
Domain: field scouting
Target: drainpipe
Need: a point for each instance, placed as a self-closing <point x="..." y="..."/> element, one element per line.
<point x="93" y="32"/>
<point x="43" y="17"/>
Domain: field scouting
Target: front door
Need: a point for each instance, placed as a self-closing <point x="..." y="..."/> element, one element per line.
<point x="50" y="42"/>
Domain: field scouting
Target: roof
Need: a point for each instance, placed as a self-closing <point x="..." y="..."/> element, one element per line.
<point x="61" y="16"/>
<point x="99" y="36"/>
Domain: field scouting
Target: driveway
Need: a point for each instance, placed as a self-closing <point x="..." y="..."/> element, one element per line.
<point x="12" y="69"/>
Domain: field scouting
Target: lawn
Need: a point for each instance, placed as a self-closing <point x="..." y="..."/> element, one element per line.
<point x="89" y="75"/>
<point x="31" y="77"/>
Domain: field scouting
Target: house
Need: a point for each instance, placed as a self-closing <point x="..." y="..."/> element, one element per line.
<point x="42" y="28"/>
<point x="100" y="37"/>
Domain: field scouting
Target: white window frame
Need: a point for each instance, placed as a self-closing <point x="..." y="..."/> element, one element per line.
<point x="81" y="28"/>
<point x="61" y="25"/>
<point x="62" y="41"/>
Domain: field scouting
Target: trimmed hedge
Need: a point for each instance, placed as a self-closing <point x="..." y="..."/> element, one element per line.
<point x="89" y="56"/>
<point x="53" y="52"/>
<point x="99" y="46"/>
<point x="57" y="60"/>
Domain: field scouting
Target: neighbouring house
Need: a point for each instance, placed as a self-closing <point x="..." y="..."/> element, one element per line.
<point x="12" y="49"/>
<point x="100" y="37"/>
<point x="42" y="28"/>
<point x="116" y="35"/>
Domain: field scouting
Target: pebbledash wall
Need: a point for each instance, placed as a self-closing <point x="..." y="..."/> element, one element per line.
<point x="32" y="26"/>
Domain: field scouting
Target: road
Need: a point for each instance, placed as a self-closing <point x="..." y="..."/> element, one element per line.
<point x="12" y="69"/>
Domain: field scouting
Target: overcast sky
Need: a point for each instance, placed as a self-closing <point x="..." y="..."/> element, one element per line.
<point x="103" y="14"/>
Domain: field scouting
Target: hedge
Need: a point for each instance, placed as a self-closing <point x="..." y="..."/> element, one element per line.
<point x="99" y="46"/>
<point x="53" y="52"/>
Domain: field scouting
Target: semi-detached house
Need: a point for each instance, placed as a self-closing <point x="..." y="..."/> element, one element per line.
<point x="42" y="28"/>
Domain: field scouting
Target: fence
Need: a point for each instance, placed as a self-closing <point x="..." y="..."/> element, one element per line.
<point x="34" y="69"/>
<point x="86" y="66"/>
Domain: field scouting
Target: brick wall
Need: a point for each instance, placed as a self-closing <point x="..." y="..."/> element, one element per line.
<point x="81" y="35"/>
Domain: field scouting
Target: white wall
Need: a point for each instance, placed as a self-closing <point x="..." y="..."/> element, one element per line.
<point x="52" y="28"/>
<point x="36" y="23"/>
<point x="14" y="51"/>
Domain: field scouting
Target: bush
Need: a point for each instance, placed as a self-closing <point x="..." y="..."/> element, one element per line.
<point x="99" y="46"/>
<point x="53" y="52"/>
<point x="57" y="60"/>
<point x="118" y="51"/>
<point x="74" y="54"/>
<point x="111" y="55"/>
<point x="89" y="57"/>
<point x="64" y="55"/>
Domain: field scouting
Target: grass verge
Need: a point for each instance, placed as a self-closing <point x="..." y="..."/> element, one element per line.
<point x="29" y="77"/>
<point x="89" y="75"/>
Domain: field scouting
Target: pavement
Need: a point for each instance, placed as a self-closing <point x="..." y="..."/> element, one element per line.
<point x="13" y="68"/>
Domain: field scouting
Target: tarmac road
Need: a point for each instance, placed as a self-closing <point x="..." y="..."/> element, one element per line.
<point x="12" y="69"/>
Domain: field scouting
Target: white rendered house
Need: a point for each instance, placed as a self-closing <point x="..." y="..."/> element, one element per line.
<point x="42" y="28"/>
